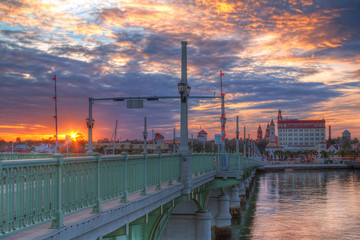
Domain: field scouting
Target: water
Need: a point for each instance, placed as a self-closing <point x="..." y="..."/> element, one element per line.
<point x="302" y="204"/>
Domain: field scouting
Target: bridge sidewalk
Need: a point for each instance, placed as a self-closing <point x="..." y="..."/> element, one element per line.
<point x="43" y="230"/>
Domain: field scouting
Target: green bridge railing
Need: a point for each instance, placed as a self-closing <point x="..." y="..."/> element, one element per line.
<point x="34" y="155"/>
<point x="36" y="191"/>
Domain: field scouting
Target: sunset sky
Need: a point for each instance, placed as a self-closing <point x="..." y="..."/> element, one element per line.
<point x="300" y="56"/>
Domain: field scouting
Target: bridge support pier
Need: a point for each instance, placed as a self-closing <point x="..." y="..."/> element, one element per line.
<point x="235" y="202"/>
<point x="223" y="216"/>
<point x="203" y="225"/>
<point x="234" y="197"/>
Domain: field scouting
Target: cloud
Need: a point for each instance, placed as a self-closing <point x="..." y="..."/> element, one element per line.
<point x="302" y="56"/>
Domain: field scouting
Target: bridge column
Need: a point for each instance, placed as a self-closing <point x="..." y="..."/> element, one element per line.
<point x="223" y="217"/>
<point x="235" y="202"/>
<point x="203" y="225"/>
<point x="234" y="196"/>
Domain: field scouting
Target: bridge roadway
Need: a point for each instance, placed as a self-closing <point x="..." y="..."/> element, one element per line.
<point x="111" y="197"/>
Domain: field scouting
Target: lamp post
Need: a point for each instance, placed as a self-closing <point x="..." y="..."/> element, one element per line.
<point x="145" y="133"/>
<point x="244" y="142"/>
<point x="184" y="91"/>
<point x="90" y="124"/>
<point x="174" y="142"/>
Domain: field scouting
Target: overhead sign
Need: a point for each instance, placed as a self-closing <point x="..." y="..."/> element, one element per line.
<point x="135" y="103"/>
<point x="218" y="138"/>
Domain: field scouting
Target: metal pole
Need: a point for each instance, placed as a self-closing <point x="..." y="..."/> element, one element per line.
<point x="145" y="136"/>
<point x="56" y="117"/>
<point x="115" y="137"/>
<point x="223" y="119"/>
<point x="192" y="143"/>
<point x="185" y="162"/>
<point x="174" y="142"/>
<point x="249" y="145"/>
<point x="244" y="142"/>
<point x="153" y="139"/>
<point x="237" y="134"/>
<point x="90" y="143"/>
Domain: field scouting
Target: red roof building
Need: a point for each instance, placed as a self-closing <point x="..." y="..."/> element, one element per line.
<point x="202" y="136"/>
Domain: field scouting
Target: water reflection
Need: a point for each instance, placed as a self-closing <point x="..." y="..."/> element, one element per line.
<point x="302" y="204"/>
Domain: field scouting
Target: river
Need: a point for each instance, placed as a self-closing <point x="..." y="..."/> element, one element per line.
<point x="302" y="204"/>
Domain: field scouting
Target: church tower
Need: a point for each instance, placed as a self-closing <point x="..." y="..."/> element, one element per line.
<point x="259" y="134"/>
<point x="279" y="115"/>
<point x="272" y="137"/>
<point x="267" y="132"/>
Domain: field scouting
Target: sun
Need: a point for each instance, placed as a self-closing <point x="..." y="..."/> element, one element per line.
<point x="73" y="135"/>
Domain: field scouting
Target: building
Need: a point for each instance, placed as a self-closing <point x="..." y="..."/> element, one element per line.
<point x="259" y="134"/>
<point x="202" y="136"/>
<point x="273" y="140"/>
<point x="346" y="134"/>
<point x="159" y="139"/>
<point x="267" y="132"/>
<point x="304" y="134"/>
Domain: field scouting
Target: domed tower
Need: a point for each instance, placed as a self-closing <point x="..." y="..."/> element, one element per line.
<point x="259" y="134"/>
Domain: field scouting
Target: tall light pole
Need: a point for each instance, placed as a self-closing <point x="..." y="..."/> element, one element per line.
<point x="185" y="155"/>
<point x="90" y="124"/>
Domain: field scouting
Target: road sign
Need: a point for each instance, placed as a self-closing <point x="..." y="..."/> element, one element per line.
<point x="134" y="103"/>
<point x="218" y="138"/>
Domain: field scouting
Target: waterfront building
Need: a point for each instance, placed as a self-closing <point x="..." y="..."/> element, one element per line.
<point x="332" y="148"/>
<point x="301" y="134"/>
<point x="346" y="134"/>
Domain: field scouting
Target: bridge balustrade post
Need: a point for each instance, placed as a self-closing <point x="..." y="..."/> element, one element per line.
<point x="171" y="169"/>
<point x="158" y="187"/>
<point x="124" y="198"/>
<point x="145" y="175"/>
<point x="59" y="215"/>
<point x="97" y="207"/>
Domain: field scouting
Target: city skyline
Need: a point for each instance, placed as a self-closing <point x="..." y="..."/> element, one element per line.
<point x="302" y="57"/>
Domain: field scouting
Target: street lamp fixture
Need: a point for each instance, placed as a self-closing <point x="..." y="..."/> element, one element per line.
<point x="88" y="124"/>
<point x="182" y="88"/>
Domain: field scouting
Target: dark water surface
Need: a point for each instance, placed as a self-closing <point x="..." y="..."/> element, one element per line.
<point x="302" y="204"/>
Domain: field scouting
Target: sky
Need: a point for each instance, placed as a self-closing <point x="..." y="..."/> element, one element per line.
<point x="300" y="56"/>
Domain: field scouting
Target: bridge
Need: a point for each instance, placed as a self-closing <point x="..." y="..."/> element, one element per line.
<point x="120" y="196"/>
<point x="176" y="195"/>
